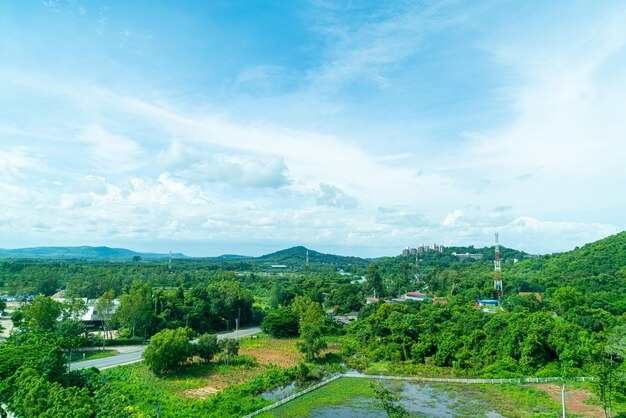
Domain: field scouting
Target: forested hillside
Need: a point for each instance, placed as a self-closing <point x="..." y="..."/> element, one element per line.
<point x="597" y="270"/>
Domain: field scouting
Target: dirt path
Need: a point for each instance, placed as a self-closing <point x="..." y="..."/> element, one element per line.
<point x="574" y="400"/>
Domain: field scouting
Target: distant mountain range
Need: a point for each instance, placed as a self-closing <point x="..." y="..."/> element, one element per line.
<point x="83" y="252"/>
<point x="295" y="256"/>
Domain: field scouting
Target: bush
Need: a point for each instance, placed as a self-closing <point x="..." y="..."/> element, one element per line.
<point x="207" y="347"/>
<point x="168" y="349"/>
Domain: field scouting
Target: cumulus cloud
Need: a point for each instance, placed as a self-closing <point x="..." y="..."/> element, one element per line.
<point x="178" y="155"/>
<point x="453" y="218"/>
<point x="238" y="170"/>
<point x="334" y="197"/>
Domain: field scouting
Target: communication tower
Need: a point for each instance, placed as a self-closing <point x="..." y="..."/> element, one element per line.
<point x="497" y="274"/>
<point x="169" y="261"/>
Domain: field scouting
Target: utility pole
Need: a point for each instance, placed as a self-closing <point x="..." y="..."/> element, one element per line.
<point x="237" y="323"/>
<point x="563" y="398"/>
<point x="497" y="274"/>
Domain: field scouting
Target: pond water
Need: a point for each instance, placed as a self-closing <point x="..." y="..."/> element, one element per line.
<point x="280" y="392"/>
<point x="417" y="399"/>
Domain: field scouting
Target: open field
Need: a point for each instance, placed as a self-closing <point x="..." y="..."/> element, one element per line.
<point x="267" y="350"/>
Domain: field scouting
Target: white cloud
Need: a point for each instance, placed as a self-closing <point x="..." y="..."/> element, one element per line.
<point x="332" y="196"/>
<point x="178" y="155"/>
<point x="453" y="218"/>
<point x="15" y="161"/>
<point x="369" y="47"/>
<point x="237" y="170"/>
<point x="110" y="151"/>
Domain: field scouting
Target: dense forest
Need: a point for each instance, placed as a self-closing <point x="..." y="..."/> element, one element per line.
<point x="559" y="315"/>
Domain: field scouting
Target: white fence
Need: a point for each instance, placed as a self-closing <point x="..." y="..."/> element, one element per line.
<point x="419" y="380"/>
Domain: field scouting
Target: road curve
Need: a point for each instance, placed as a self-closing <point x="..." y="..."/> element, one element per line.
<point x="134" y="354"/>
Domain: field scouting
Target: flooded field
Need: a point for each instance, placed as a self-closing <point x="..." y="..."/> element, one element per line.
<point x="351" y="397"/>
<point x="417" y="399"/>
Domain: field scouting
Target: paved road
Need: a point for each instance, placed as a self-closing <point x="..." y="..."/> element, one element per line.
<point x="134" y="354"/>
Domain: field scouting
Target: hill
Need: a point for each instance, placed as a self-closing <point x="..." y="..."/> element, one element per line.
<point x="598" y="270"/>
<point x="296" y="256"/>
<point x="489" y="252"/>
<point x="82" y="252"/>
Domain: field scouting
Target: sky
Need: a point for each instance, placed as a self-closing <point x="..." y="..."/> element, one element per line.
<point x="350" y="127"/>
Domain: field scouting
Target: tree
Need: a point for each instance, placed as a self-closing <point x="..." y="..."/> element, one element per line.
<point x="37" y="397"/>
<point x="311" y="331"/>
<point x="346" y="298"/>
<point x="230" y="301"/>
<point x="17" y="317"/>
<point x="207" y="347"/>
<point x="230" y="347"/>
<point x="135" y="309"/>
<point x="42" y="314"/>
<point x="168" y="349"/>
<point x="46" y="284"/>
<point x="105" y="307"/>
<point x="566" y="298"/>
<point x="607" y="367"/>
<point x="374" y="279"/>
<point x="281" y="323"/>
<point x="605" y="370"/>
<point x="300" y="304"/>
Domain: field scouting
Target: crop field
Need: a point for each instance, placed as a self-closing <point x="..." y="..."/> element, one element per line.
<point x="279" y="352"/>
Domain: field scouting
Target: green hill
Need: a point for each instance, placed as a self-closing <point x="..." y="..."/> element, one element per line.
<point x="296" y="256"/>
<point x="598" y="270"/>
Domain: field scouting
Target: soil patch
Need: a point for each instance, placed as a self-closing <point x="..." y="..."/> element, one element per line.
<point x="281" y="353"/>
<point x="202" y="393"/>
<point x="574" y="400"/>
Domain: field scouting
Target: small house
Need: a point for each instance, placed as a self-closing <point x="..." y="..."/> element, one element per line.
<point x="415" y="296"/>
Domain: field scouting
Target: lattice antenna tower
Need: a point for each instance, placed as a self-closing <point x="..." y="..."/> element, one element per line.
<point x="497" y="274"/>
<point x="169" y="261"/>
<point x="307" y="258"/>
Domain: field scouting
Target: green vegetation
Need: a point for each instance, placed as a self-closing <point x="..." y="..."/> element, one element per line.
<point x="339" y="392"/>
<point x="311" y="327"/>
<point x="168" y="350"/>
<point x="570" y="320"/>
<point x="207" y="347"/>
<point x="281" y="323"/>
<point x="510" y="400"/>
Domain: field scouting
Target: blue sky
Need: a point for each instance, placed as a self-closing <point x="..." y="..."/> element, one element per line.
<point x="349" y="127"/>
